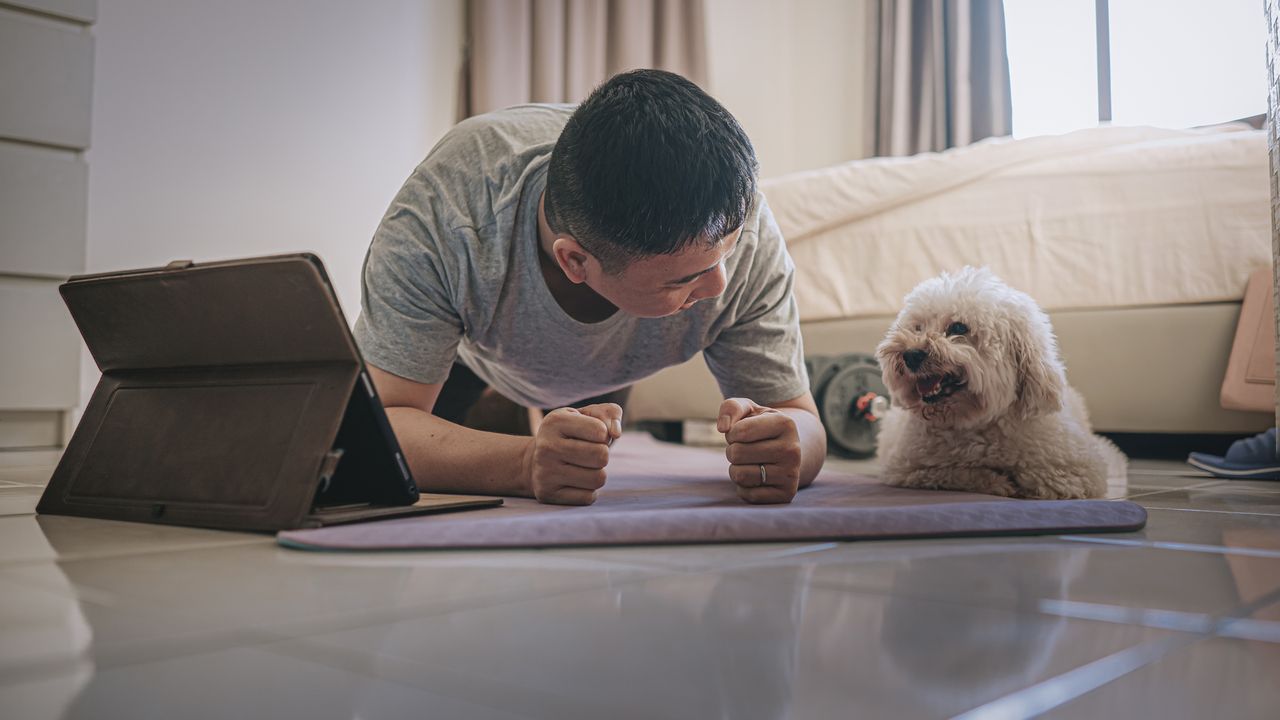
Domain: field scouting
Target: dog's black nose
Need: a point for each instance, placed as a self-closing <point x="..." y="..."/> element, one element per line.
<point x="914" y="359"/>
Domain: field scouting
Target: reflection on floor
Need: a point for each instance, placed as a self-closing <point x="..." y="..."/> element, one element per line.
<point x="1182" y="620"/>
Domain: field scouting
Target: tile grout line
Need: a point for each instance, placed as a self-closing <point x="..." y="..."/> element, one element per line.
<point x="135" y="653"/>
<point x="355" y="661"/>
<point x="1146" y="493"/>
<point x="802" y="550"/>
<point x="26" y="562"/>
<point x="1048" y="694"/>
<point x="1158" y="489"/>
<point x="1244" y="485"/>
<point x="1183" y="547"/>
<point x="1061" y="689"/>
<point x="1180" y="621"/>
<point x="1218" y="512"/>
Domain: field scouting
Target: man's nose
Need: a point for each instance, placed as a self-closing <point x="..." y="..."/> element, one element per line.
<point x="710" y="285"/>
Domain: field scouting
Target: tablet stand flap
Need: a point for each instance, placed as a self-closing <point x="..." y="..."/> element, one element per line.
<point x="224" y="386"/>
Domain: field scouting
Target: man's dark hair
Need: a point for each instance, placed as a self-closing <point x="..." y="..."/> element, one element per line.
<point x="648" y="165"/>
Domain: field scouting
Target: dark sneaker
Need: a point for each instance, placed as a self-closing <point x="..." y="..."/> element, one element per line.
<point x="1252" y="458"/>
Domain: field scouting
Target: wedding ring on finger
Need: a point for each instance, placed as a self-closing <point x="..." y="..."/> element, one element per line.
<point x="764" y="478"/>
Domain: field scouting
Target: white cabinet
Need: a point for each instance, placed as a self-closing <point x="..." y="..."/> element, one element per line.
<point x="40" y="353"/>
<point x="46" y="95"/>
<point x="46" y="80"/>
<point x="42" y="210"/>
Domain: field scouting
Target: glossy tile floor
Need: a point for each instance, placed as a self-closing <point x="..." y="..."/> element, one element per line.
<point x="104" y="619"/>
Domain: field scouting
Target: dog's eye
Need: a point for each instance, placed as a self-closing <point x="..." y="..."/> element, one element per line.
<point x="957" y="328"/>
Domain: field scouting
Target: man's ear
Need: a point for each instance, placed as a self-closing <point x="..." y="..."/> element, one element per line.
<point x="572" y="258"/>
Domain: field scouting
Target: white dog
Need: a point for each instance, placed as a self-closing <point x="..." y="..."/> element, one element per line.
<point x="980" y="401"/>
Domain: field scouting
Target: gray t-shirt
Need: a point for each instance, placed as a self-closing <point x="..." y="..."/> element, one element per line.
<point x="453" y="272"/>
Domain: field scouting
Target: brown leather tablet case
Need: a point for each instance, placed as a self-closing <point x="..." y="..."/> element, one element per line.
<point x="1250" y="381"/>
<point x="232" y="396"/>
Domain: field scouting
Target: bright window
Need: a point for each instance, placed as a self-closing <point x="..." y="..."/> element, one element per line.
<point x="1174" y="63"/>
<point x="1053" y="71"/>
<point x="1181" y="63"/>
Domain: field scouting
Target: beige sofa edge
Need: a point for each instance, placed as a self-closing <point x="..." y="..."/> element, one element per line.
<point x="1141" y="370"/>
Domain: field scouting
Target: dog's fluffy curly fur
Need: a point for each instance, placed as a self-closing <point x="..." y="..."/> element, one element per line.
<point x="980" y="401"/>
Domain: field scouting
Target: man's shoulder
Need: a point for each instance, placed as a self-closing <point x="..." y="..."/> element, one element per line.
<point x="761" y="248"/>
<point x="514" y="129"/>
<point x="478" y="169"/>
<point x="474" y="176"/>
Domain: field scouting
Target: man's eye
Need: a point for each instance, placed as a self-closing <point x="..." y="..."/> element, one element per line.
<point x="957" y="328"/>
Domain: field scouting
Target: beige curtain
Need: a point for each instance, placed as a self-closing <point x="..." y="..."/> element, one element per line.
<point x="940" y="74"/>
<point x="521" y="51"/>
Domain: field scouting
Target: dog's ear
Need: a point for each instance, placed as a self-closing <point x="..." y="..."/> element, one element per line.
<point x="1041" y="378"/>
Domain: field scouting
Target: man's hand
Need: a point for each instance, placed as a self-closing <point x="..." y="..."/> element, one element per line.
<point x="761" y="437"/>
<point x="570" y="451"/>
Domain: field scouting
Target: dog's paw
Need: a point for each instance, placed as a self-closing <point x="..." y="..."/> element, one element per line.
<point x="988" y="481"/>
<point x="1059" y="486"/>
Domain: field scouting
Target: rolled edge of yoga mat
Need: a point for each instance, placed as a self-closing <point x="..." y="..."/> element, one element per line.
<point x="578" y="527"/>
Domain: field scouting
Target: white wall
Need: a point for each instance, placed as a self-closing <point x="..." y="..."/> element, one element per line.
<point x="238" y="127"/>
<point x="794" y="74"/>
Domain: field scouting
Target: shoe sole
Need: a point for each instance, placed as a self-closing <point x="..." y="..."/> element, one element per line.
<point x="1262" y="473"/>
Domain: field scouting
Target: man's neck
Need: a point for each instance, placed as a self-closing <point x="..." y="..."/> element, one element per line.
<point x="578" y="300"/>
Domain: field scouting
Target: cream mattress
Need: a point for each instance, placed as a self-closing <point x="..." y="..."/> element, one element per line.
<point x="1100" y="218"/>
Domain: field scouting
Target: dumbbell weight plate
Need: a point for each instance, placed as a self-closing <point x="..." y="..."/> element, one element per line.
<point x="850" y="432"/>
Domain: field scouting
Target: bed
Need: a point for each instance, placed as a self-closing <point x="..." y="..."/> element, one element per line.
<point x="1138" y="242"/>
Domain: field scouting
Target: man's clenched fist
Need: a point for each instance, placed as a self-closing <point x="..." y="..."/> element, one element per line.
<point x="567" y="459"/>
<point x="763" y="452"/>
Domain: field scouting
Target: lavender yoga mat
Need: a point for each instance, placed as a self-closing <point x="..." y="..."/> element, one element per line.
<point x="659" y="493"/>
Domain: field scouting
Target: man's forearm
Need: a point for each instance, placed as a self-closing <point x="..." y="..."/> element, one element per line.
<point x="449" y="458"/>
<point x="813" y="443"/>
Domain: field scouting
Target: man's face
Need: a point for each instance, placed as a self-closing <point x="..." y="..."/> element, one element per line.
<point x="666" y="284"/>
